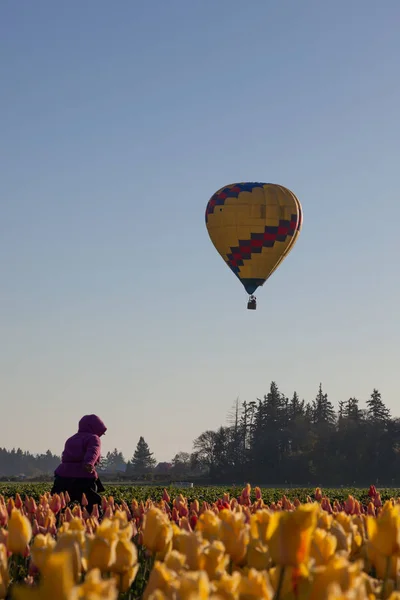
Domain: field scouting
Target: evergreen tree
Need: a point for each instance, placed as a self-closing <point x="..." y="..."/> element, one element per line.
<point x="323" y="410"/>
<point x="351" y="410"/>
<point x="296" y="407"/>
<point x="377" y="411"/>
<point x="143" y="460"/>
<point x="272" y="440"/>
<point x="113" y="461"/>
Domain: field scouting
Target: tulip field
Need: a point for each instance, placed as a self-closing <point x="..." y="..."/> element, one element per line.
<point x="213" y="543"/>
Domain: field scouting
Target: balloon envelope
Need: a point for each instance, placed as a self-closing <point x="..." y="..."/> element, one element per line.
<point x="253" y="226"/>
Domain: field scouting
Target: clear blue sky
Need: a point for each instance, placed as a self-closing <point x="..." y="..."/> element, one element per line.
<point x="119" y="121"/>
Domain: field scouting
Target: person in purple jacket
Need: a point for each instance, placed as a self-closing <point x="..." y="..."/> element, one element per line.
<point x="77" y="472"/>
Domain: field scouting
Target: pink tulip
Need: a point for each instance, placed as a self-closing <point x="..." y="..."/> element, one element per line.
<point x="55" y="504"/>
<point x="185" y="524"/>
<point x="10" y="506"/>
<point x="18" y="501"/>
<point x="35" y="527"/>
<point x="246" y="491"/>
<point x="3" y="515"/>
<point x="318" y="494"/>
<point x="108" y="513"/>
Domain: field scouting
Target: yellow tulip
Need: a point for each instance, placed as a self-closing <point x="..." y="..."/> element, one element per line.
<point x="101" y="553"/>
<point x="4" y="577"/>
<point x="345" y="521"/>
<point x="234" y="534"/>
<point x="259" y="524"/>
<point x="295" y="583"/>
<point x="167" y="549"/>
<point x="371" y="585"/>
<point x="385" y="566"/>
<point x="289" y="535"/>
<point x="176" y="532"/>
<point x="334" y="592"/>
<point x="157" y="595"/>
<point x="121" y="517"/>
<point x="126" y="556"/>
<point x="343" y="538"/>
<point x="157" y="530"/>
<point x="227" y="586"/>
<point x="258" y="556"/>
<point x="41" y="549"/>
<point x="324" y="520"/>
<point x="192" y="545"/>
<point x="19" y="532"/>
<point x="323" y="546"/>
<point x="57" y="580"/>
<point x="3" y="586"/>
<point x="384" y="531"/>
<point x="68" y="543"/>
<point x="75" y="530"/>
<point x="208" y="525"/>
<point x="162" y="579"/>
<point x="357" y="543"/>
<point x="108" y="530"/>
<point x="255" y="585"/>
<point x="125" y="579"/>
<point x="215" y="560"/>
<point x="194" y="585"/>
<point x="95" y="588"/>
<point x="175" y="561"/>
<point x="125" y="528"/>
<point x="76" y="524"/>
<point x="339" y="570"/>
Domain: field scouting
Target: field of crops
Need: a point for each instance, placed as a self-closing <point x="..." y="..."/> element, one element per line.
<point x="208" y="493"/>
<point x="202" y="543"/>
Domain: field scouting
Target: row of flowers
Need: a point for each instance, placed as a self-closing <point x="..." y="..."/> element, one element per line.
<point x="232" y="549"/>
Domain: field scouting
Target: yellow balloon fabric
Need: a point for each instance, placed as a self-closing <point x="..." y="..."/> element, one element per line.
<point x="253" y="226"/>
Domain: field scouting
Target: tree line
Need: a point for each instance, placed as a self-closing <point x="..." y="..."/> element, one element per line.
<point x="281" y="440"/>
<point x="274" y="439"/>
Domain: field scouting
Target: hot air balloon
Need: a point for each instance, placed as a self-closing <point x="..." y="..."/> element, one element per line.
<point x="253" y="226"/>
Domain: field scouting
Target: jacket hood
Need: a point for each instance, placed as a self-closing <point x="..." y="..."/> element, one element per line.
<point x="92" y="424"/>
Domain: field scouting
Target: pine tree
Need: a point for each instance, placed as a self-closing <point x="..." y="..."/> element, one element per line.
<point x="323" y="410"/>
<point x="142" y="461"/>
<point x="377" y="411"/>
<point x="352" y="410"/>
<point x="296" y="407"/>
<point x="341" y="413"/>
<point x="114" y="461"/>
<point x="274" y="405"/>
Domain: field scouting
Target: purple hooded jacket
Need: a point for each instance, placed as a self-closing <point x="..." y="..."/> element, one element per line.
<point x="83" y="448"/>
